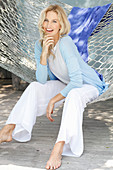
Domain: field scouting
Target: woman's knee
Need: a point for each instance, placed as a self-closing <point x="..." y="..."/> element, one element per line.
<point x="36" y="84"/>
<point x="73" y="93"/>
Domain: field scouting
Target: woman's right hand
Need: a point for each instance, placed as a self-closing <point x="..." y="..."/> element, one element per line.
<point x="47" y="43"/>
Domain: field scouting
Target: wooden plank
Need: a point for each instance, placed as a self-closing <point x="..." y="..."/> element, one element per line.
<point x="98" y="139"/>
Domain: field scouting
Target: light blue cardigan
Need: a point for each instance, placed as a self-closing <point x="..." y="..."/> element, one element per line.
<point x="79" y="71"/>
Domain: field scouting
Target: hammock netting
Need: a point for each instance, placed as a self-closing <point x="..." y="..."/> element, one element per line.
<point x="19" y="31"/>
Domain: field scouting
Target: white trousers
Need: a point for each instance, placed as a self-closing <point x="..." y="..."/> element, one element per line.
<point x="33" y="103"/>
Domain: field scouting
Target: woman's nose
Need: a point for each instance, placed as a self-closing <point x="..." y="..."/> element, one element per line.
<point x="49" y="25"/>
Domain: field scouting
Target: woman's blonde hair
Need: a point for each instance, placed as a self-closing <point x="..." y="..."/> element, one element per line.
<point x="65" y="25"/>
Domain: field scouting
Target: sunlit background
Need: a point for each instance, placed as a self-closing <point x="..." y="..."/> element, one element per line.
<point x="86" y="3"/>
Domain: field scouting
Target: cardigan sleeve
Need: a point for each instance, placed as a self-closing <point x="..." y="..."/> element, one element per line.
<point x="41" y="71"/>
<point x="51" y="75"/>
<point x="70" y="54"/>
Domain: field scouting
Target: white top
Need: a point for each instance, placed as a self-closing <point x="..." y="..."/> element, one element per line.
<point x="58" y="66"/>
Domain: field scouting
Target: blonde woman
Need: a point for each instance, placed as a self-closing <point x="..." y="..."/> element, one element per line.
<point x="72" y="81"/>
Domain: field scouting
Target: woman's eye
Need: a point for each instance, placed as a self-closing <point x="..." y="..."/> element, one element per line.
<point x="55" y="21"/>
<point x="45" y="20"/>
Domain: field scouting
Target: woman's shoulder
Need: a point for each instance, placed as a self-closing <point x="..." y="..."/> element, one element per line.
<point x="37" y="42"/>
<point x="38" y="47"/>
<point x="66" y="40"/>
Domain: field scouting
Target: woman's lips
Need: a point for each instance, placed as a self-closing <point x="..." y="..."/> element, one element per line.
<point x="49" y="30"/>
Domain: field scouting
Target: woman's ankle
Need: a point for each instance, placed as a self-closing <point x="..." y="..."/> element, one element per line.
<point x="6" y="133"/>
<point x="59" y="147"/>
<point x="9" y="127"/>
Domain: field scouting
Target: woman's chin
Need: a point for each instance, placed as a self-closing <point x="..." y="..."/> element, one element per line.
<point x="49" y="33"/>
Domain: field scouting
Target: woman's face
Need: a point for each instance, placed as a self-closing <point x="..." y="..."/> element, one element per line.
<point x="51" y="24"/>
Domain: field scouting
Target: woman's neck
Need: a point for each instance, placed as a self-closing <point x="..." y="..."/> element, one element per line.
<point x="56" y="39"/>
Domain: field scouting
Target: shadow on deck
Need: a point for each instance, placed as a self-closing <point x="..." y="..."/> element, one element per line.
<point x="98" y="138"/>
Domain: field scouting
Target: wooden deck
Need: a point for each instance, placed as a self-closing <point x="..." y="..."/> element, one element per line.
<point x="98" y="138"/>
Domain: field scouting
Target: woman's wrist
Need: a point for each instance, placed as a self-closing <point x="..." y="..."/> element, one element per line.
<point x="52" y="101"/>
<point x="43" y="59"/>
<point x="56" y="98"/>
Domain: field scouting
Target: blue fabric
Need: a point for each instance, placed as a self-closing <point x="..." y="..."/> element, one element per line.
<point x="83" y="22"/>
<point x="79" y="72"/>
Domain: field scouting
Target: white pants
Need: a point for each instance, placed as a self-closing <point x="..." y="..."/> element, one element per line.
<point x="34" y="101"/>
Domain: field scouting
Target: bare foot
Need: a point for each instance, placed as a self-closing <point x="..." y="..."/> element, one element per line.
<point x="54" y="161"/>
<point x="6" y="133"/>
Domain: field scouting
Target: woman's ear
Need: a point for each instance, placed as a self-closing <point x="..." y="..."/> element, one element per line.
<point x="60" y="27"/>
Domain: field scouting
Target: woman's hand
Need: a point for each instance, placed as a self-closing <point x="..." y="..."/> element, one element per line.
<point x="49" y="110"/>
<point x="47" y="43"/>
<point x="50" y="106"/>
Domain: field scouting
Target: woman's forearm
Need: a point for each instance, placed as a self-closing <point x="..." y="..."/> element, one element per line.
<point x="57" y="98"/>
<point x="43" y="59"/>
<point x="41" y="72"/>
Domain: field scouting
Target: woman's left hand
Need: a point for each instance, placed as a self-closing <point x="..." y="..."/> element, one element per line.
<point x="49" y="110"/>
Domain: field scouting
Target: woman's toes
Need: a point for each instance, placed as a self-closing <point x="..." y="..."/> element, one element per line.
<point x="47" y="166"/>
<point x="52" y="167"/>
<point x="57" y="166"/>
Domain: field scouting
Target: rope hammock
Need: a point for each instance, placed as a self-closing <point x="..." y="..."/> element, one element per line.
<point x="19" y="32"/>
